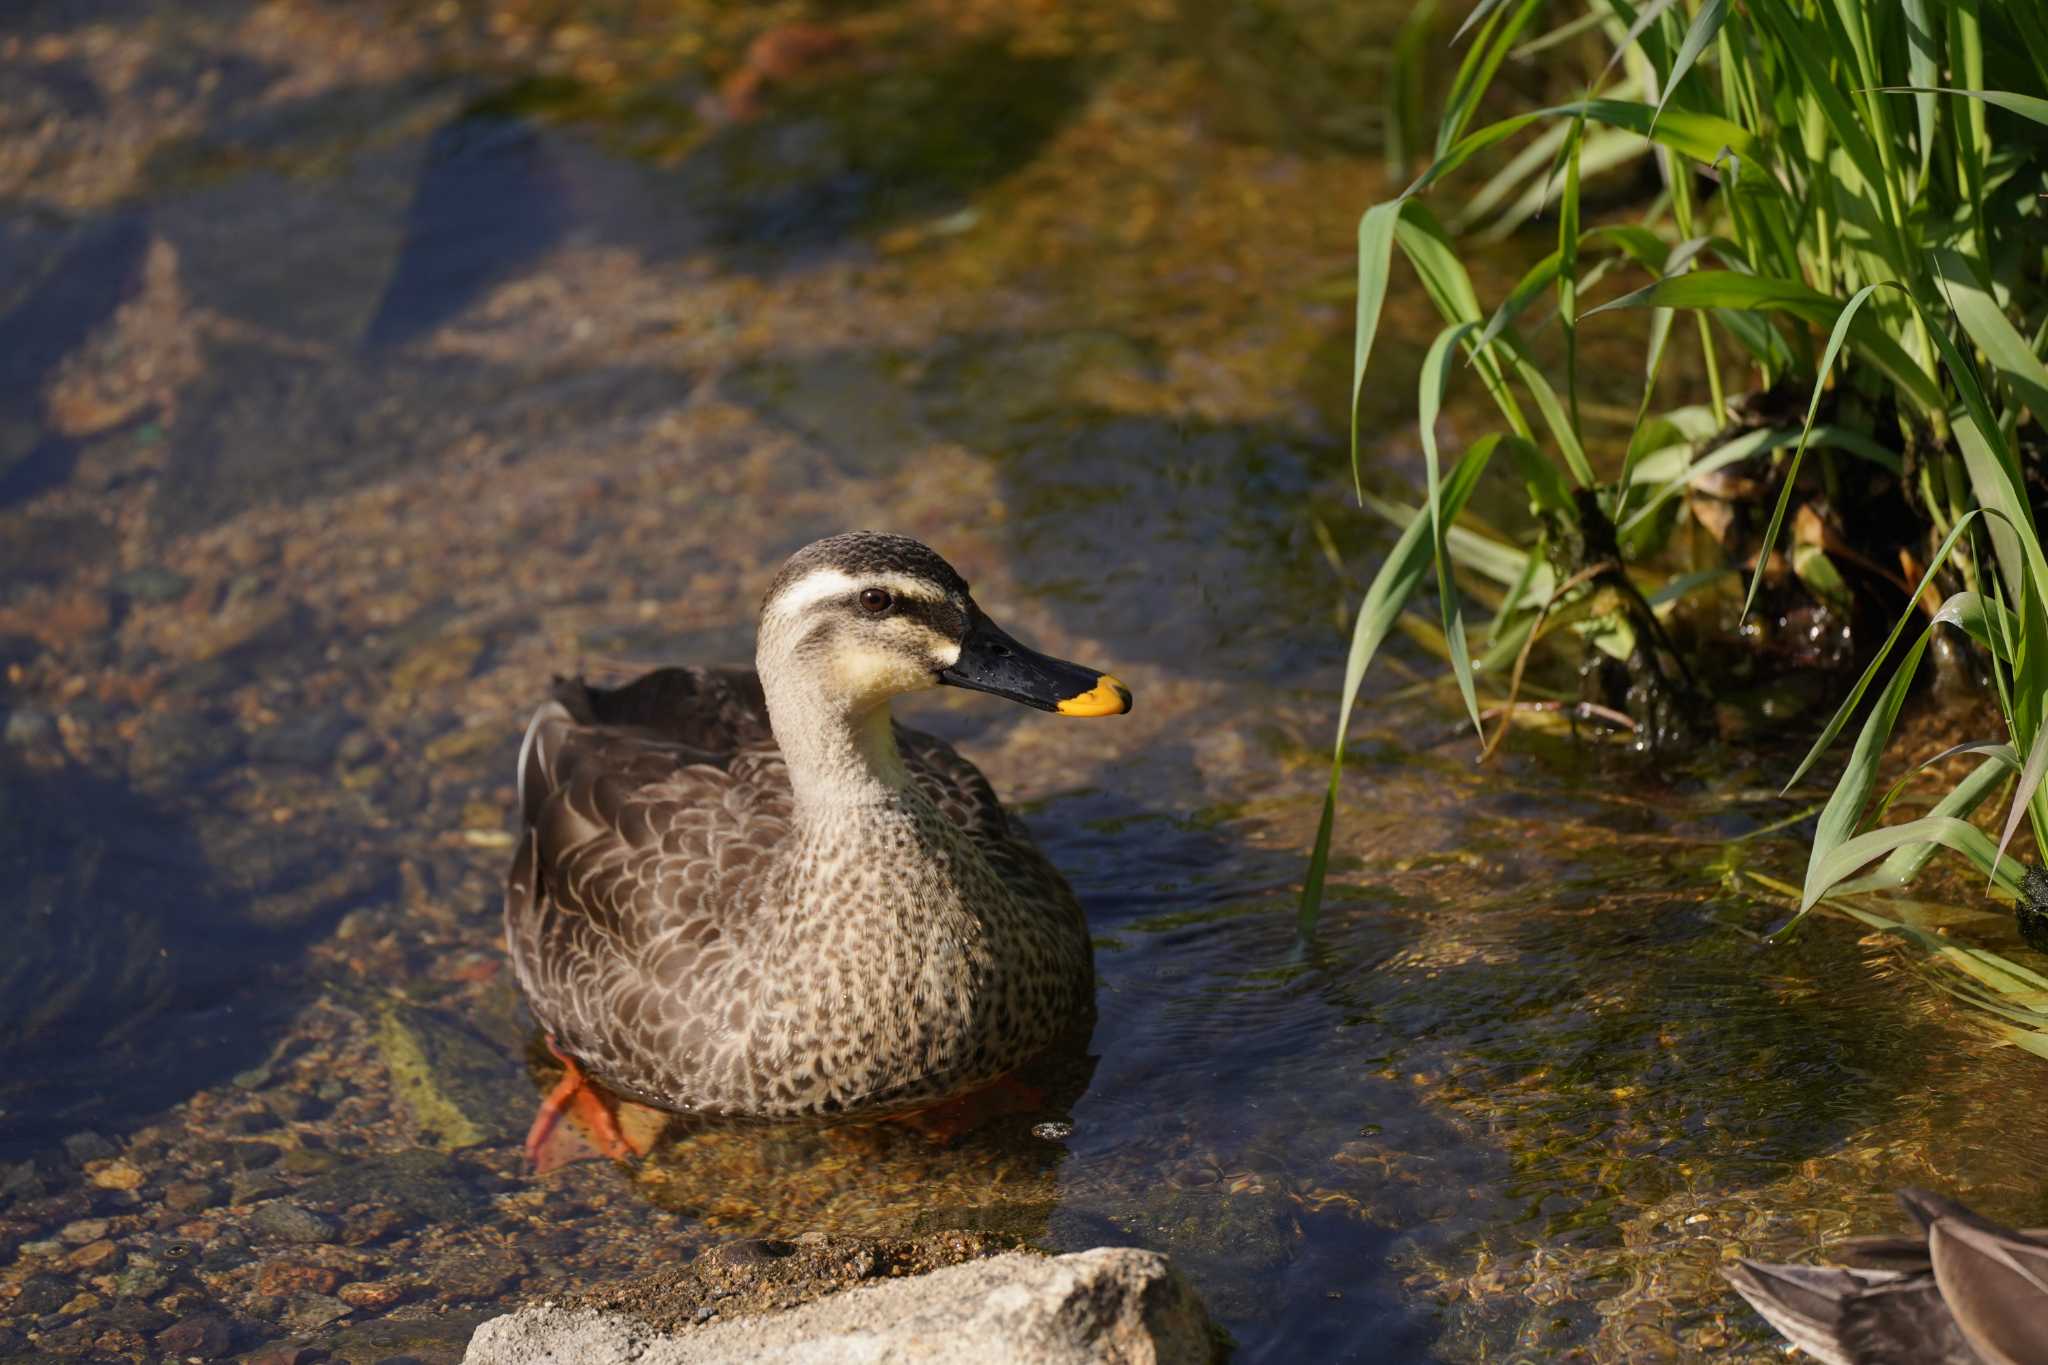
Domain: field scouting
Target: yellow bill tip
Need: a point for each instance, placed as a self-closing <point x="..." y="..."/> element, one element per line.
<point x="1107" y="698"/>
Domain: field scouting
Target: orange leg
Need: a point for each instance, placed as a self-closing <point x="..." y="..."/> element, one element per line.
<point x="573" y="1095"/>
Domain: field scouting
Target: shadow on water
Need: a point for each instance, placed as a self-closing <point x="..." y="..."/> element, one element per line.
<point x="95" y="271"/>
<point x="516" y="172"/>
<point x="1080" y="480"/>
<point x="137" y="970"/>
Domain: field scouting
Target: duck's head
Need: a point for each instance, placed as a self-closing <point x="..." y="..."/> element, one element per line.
<point x="863" y="617"/>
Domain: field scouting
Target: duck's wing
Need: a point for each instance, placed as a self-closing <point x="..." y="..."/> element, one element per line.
<point x="717" y="711"/>
<point x="1840" y="1314"/>
<point x="641" y="853"/>
<point x="964" y="797"/>
<point x="1995" y="1282"/>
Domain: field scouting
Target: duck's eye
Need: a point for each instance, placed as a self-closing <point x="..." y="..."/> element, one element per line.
<point x="876" y="601"/>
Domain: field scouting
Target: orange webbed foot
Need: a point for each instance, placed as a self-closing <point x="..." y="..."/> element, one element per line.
<point x="594" y="1128"/>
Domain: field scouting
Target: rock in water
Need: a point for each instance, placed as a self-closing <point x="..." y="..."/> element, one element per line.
<point x="1110" y="1306"/>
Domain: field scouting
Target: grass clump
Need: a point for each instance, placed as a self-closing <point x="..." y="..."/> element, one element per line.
<point x="1847" y="221"/>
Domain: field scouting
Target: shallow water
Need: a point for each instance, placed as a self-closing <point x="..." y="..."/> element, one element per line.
<point x="363" y="368"/>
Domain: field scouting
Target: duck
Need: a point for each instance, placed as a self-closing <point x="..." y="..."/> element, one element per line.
<point x="751" y="894"/>
<point x="1962" y="1291"/>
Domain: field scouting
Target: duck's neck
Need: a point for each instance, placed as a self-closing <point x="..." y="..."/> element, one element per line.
<point x="841" y="762"/>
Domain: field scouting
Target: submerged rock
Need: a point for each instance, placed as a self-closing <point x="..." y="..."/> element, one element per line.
<point x="458" y="1089"/>
<point x="1112" y="1304"/>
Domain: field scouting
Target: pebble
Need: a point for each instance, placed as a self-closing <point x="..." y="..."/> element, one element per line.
<point x="377" y="1294"/>
<point x="254" y="1156"/>
<point x="83" y="1231"/>
<point x="254" y="1121"/>
<point x="291" y="1277"/>
<point x="153" y="584"/>
<point x="284" y="1221"/>
<point x="42" y="1294"/>
<point x="251" y="1186"/>
<point x="285" y="1353"/>
<point x="204" y="1335"/>
<point x="116" y="1175"/>
<point x="88" y="1147"/>
<point x="102" y="1255"/>
<point x="309" y="1312"/>
<point x="190" y="1196"/>
<point x="28" y="729"/>
<point x="21" y="1181"/>
<point x="141" y="1281"/>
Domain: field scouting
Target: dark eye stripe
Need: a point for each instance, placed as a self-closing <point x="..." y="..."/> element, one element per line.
<point x="942" y="618"/>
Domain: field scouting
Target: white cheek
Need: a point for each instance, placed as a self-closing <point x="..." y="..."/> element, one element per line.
<point x="946" y="653"/>
<point x="869" y="673"/>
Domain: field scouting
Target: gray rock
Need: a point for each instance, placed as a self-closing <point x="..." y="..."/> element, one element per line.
<point x="153" y="583"/>
<point x="1110" y="1306"/>
<point x="286" y="1222"/>
<point x="28" y="728"/>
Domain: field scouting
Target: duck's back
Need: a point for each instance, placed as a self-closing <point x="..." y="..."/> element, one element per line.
<point x="652" y="817"/>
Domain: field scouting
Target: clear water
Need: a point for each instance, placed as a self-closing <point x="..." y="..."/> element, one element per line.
<point x="360" y="370"/>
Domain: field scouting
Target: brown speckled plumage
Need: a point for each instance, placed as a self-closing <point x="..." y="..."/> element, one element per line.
<point x="700" y="936"/>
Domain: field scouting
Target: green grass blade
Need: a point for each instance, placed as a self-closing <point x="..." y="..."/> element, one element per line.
<point x="1905" y="862"/>
<point x="1706" y="25"/>
<point x="1852" y="854"/>
<point x="1531" y="286"/>
<point x="1923" y="63"/>
<point x="1994" y="334"/>
<point x="1995" y="475"/>
<point x="1728" y="289"/>
<point x="1836" y="338"/>
<point x="2026" y="106"/>
<point x="1391" y="588"/>
<point x="1648" y="15"/>
<point x="1876" y="665"/>
<point x="1375" y="263"/>
<point x="1436" y="377"/>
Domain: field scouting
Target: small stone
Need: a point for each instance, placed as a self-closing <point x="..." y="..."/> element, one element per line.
<point x="117" y="1174"/>
<point x="290" y="1277"/>
<point x="190" y="1196"/>
<point x="305" y="1161"/>
<point x="1054" y="1131"/>
<point x="309" y="1312"/>
<point x="81" y="1303"/>
<point x="285" y="1353"/>
<point x="374" y="1295"/>
<point x="475" y="1273"/>
<point x="41" y="1294"/>
<point x="99" y="1256"/>
<point x="283" y="1221"/>
<point x="153" y="584"/>
<point x="255" y="1078"/>
<point x="204" y="1335"/>
<point x="21" y="1181"/>
<point x="141" y="1281"/>
<point x="83" y="1231"/>
<point x="288" y="1105"/>
<point x="255" y="1121"/>
<point x="84" y="1148"/>
<point x="705" y="1314"/>
<point x="254" y="1156"/>
<point x="452" y="1083"/>
<point x="27" y="728"/>
<point x="252" y="1186"/>
<point x="137" y="1317"/>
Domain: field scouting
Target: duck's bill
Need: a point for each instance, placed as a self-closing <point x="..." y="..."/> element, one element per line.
<point x="990" y="661"/>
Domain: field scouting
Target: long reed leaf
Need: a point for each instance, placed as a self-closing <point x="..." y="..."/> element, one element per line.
<point x="1392" y="586"/>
